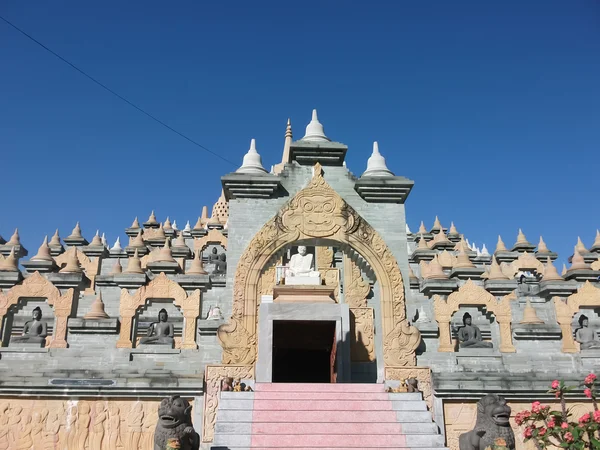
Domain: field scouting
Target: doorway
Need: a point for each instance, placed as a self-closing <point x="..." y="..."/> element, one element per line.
<point x="304" y="351"/>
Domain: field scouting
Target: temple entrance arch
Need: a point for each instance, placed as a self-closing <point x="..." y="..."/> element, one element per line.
<point x="317" y="213"/>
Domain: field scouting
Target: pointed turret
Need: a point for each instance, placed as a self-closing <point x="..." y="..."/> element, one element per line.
<point x="522" y="244"/>
<point x="138" y="240"/>
<point x="15" y="239"/>
<point x="435" y="271"/>
<point x="484" y="251"/>
<point x="500" y="247"/>
<point x="134" y="264"/>
<point x="495" y="272"/>
<point x="596" y="245"/>
<point x="550" y="272"/>
<point x="96" y="240"/>
<point x="376" y="166"/>
<point x="104" y="241"/>
<point x="55" y="241"/>
<point x="43" y="253"/>
<point x="76" y="238"/>
<point x="453" y="232"/>
<point x="117" y="268"/>
<point x="136" y="223"/>
<point x="167" y="225"/>
<point x="252" y="162"/>
<point x="437" y="226"/>
<point x="187" y="227"/>
<point x="76" y="233"/>
<point x="542" y="248"/>
<point x="165" y="254"/>
<point x="97" y="309"/>
<point x="151" y="222"/>
<point x="314" y="130"/>
<point x="463" y="261"/>
<point x="72" y="265"/>
<point x="422" y="229"/>
<point x="577" y="262"/>
<point x="117" y="245"/>
<point x="179" y="241"/>
<point x="580" y="247"/>
<point x="196" y="268"/>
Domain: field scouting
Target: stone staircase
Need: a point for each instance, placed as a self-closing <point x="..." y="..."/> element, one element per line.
<point x="324" y="416"/>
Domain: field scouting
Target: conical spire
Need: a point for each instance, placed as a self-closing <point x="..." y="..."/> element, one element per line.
<point x="104" y="241"/>
<point x="179" y="241"/>
<point x="550" y="272"/>
<point x="97" y="240"/>
<point x="422" y="229"/>
<point x="564" y="270"/>
<point x="196" y="268"/>
<point x="463" y="261"/>
<point x="117" y="268"/>
<point x="187" y="227"/>
<point x="252" y="162"/>
<point x="462" y="245"/>
<point x="97" y="309"/>
<point x="500" y="247"/>
<point x="165" y="254"/>
<point x="138" y="240"/>
<point x="577" y="261"/>
<point x="199" y="225"/>
<point x="167" y="225"/>
<point x="542" y="248"/>
<point x="76" y="233"/>
<point x="495" y="272"/>
<point x="204" y="214"/>
<point x="408" y="232"/>
<point x="43" y="253"/>
<point x="135" y="224"/>
<point x="285" y="158"/>
<point x="435" y="271"/>
<point x="596" y="243"/>
<point x="160" y="233"/>
<point x="72" y="262"/>
<point x="580" y="247"/>
<point x="376" y="166"/>
<point x="529" y="314"/>
<point x="422" y="243"/>
<point x="484" y="251"/>
<point x="15" y="239"/>
<point x="521" y="239"/>
<point x="437" y="225"/>
<point x="152" y="219"/>
<point x="134" y="264"/>
<point x="10" y="263"/>
<point x="314" y="130"/>
<point x="452" y="231"/>
<point x="55" y="241"/>
<point x="117" y="245"/>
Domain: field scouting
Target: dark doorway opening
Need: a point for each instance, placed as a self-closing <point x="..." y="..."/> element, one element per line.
<point x="303" y="351"/>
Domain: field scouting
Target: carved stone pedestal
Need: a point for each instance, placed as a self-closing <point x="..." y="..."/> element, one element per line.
<point x="303" y="294"/>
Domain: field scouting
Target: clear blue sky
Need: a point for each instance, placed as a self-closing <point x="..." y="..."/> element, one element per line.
<point x="493" y="108"/>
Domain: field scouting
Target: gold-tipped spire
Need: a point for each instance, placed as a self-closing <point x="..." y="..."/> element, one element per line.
<point x="133" y="264"/>
<point x="542" y="248"/>
<point x="15" y="239"/>
<point x="422" y="229"/>
<point x="529" y="314"/>
<point x="97" y="309"/>
<point x="117" y="268"/>
<point x="55" y="241"/>
<point x="136" y="223"/>
<point x="550" y="272"/>
<point x="500" y="247"/>
<point x="72" y="262"/>
<point x="10" y="263"/>
<point x="43" y="253"/>
<point x="196" y="268"/>
<point x="580" y="247"/>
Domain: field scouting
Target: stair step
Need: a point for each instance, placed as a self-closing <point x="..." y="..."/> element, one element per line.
<point x="280" y="395"/>
<point x="330" y="440"/>
<point x="318" y="387"/>
<point x="232" y="415"/>
<point x="322" y="405"/>
<point x="223" y="428"/>
<point x="223" y="447"/>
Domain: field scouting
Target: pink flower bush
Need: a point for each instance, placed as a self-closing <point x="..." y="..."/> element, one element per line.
<point x="546" y="428"/>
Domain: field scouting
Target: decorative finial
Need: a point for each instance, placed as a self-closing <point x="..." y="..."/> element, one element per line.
<point x="422" y="229"/>
<point x="135" y="224"/>
<point x="521" y="239"/>
<point x="104" y="241"/>
<point x="196" y="268"/>
<point x="72" y="262"/>
<point x="500" y="247"/>
<point x="117" y="268"/>
<point x="422" y="243"/>
<point x="97" y="309"/>
<point x="452" y="231"/>
<point x="43" y="253"/>
<point x="138" y="241"/>
<point x="542" y="248"/>
<point x="577" y="262"/>
<point x="484" y="251"/>
<point x="179" y="241"/>
<point x="580" y="247"/>
<point x="529" y="314"/>
<point x="376" y="166"/>
<point x="76" y="233"/>
<point x="187" y="227"/>
<point x="117" y="245"/>
<point x="97" y="240"/>
<point x="160" y="233"/>
<point x="165" y="254"/>
<point x="10" y="263"/>
<point x="550" y="272"/>
<point x="152" y="219"/>
<point x="15" y="239"/>
<point x="175" y="225"/>
<point x="495" y="272"/>
<point x="167" y="225"/>
<point x="55" y="241"/>
<point x="252" y="162"/>
<point x="134" y="264"/>
<point x="437" y="225"/>
<point x="288" y="129"/>
<point x="314" y="130"/>
<point x="463" y="261"/>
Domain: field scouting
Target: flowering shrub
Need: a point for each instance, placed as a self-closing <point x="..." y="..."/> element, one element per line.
<point x="547" y="428"/>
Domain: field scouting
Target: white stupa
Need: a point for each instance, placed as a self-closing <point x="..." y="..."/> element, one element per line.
<point x="252" y="162"/>
<point x="376" y="166"/>
<point x="314" y="130"/>
<point x="117" y="245"/>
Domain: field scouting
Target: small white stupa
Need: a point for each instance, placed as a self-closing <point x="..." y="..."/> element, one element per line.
<point x="252" y="162"/>
<point x="188" y="227"/>
<point x="314" y="130"/>
<point x="117" y="245"/>
<point x="376" y="166"/>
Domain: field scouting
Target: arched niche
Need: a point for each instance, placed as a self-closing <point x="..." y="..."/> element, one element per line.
<point x="36" y="286"/>
<point x="586" y="295"/>
<point x="213" y="237"/>
<point x="160" y="287"/>
<point x="469" y="294"/>
<point x="319" y="214"/>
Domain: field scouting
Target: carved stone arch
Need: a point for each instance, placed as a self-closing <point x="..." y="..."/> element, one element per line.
<point x="471" y="294"/>
<point x="213" y="237"/>
<point x="586" y="295"/>
<point x="160" y="287"/>
<point x="36" y="286"/>
<point x="317" y="212"/>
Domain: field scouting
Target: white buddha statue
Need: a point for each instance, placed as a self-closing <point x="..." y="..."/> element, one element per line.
<point x="300" y="269"/>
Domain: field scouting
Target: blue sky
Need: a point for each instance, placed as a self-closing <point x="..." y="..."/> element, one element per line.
<point x="493" y="108"/>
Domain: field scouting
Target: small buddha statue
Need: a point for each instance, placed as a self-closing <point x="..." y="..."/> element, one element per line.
<point x="585" y="335"/>
<point x="161" y="332"/>
<point x="214" y="313"/>
<point x="214" y="255"/>
<point x="470" y="335"/>
<point x="220" y="265"/>
<point x="301" y="264"/>
<point x="34" y="331"/>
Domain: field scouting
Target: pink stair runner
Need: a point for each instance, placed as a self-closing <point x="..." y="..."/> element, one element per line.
<point x="324" y="416"/>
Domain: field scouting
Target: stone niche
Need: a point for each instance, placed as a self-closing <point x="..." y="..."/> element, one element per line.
<point x="149" y="314"/>
<point x="94" y="424"/>
<point x="22" y="314"/>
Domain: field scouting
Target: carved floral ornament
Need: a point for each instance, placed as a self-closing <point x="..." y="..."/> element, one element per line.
<point x="472" y="294"/>
<point x="37" y="286"/>
<point x="161" y="287"/>
<point x="586" y="295"/>
<point x="317" y="211"/>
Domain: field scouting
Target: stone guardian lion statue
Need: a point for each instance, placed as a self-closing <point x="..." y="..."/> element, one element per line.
<point x="492" y="429"/>
<point x="174" y="429"/>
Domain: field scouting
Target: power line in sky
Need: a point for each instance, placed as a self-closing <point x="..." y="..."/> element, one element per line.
<point x="116" y="94"/>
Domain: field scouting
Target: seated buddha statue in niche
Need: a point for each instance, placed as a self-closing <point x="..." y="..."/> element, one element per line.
<point x="34" y="331"/>
<point x="586" y="336"/>
<point x="470" y="335"/>
<point x="161" y="332"/>
<point x="300" y="269"/>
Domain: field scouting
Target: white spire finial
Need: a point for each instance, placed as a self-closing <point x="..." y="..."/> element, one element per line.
<point x="484" y="251"/>
<point x="314" y="130"/>
<point x="187" y="226"/>
<point x="376" y="166"/>
<point x="117" y="245"/>
<point x="252" y="162"/>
